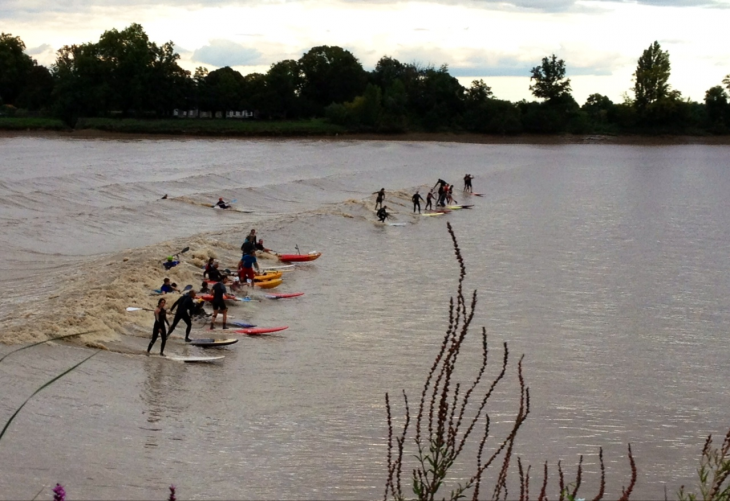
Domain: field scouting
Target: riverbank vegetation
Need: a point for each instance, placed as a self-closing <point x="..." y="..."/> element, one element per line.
<point x="128" y="78"/>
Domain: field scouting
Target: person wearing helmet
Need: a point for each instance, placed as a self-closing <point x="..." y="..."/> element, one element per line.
<point x="222" y="204"/>
<point x="170" y="263"/>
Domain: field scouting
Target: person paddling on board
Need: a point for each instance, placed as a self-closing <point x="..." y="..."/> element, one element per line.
<point x="159" y="328"/>
<point x="222" y="204"/>
<point x="167" y="287"/>
<point x="219" y="304"/>
<point x="185" y="308"/>
<point x="246" y="267"/>
<point x="383" y="214"/>
<point x="165" y="197"/>
<point x="380" y="197"/>
<point x="417" y="201"/>
<point x="429" y="201"/>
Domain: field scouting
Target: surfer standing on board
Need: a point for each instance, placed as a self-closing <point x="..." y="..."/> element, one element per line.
<point x="246" y="266"/>
<point x="467" y="183"/>
<point x="429" y="201"/>
<point x="417" y="202"/>
<point x="185" y="308"/>
<point x="219" y="304"/>
<point x="380" y="198"/>
<point x="159" y="328"/>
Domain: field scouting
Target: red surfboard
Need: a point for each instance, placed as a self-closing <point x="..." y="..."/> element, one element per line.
<point x="260" y="330"/>
<point x="284" y="296"/>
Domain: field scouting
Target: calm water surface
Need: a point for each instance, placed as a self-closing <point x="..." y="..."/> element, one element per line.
<point x="607" y="266"/>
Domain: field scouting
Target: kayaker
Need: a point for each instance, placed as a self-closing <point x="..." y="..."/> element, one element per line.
<point x="167" y="287"/>
<point x="246" y="266"/>
<point x="165" y="197"/>
<point x="417" y="201"/>
<point x="222" y="204"/>
<point x="170" y="263"/>
<point x="383" y="214"/>
<point x="208" y="266"/>
<point x="214" y="275"/>
<point x="429" y="201"/>
<point x="249" y="243"/>
<point x="185" y="308"/>
<point x="380" y="197"/>
<point x="159" y="328"/>
<point x="219" y="304"/>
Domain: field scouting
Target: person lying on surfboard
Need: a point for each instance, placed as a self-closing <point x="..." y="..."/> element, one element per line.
<point x="167" y="287"/>
<point x="222" y="204"/>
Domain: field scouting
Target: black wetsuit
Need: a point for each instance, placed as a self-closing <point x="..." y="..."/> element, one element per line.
<point x="442" y="197"/>
<point x="379" y="199"/>
<point x="382" y="214"/>
<point x="185" y="306"/>
<point x="223" y="205"/>
<point x="429" y="200"/>
<point x="417" y="202"/>
<point x="248" y="245"/>
<point x="219" y="291"/>
<point x="159" y="329"/>
<point x="215" y="275"/>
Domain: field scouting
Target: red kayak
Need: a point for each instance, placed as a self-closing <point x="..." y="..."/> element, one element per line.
<point x="260" y="330"/>
<point x="293" y="258"/>
<point x="284" y="296"/>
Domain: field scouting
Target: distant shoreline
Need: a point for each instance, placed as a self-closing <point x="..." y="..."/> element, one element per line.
<point x="445" y="137"/>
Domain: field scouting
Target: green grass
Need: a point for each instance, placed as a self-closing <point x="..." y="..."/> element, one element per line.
<point x="31" y="123"/>
<point x="213" y="127"/>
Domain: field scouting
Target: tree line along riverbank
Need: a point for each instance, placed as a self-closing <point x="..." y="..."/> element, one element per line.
<point x="127" y="83"/>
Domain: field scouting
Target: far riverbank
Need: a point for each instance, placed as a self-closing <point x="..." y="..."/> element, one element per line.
<point x="45" y="127"/>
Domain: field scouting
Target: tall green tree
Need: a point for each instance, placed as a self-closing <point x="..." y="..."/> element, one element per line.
<point x="651" y="76"/>
<point x="550" y="82"/>
<point x="478" y="93"/>
<point x="283" y="85"/>
<point x="716" y="105"/>
<point x="331" y="74"/>
<point x="225" y="88"/>
<point x="15" y="66"/>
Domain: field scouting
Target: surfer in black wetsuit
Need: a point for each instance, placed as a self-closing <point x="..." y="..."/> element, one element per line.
<point x="380" y="197"/>
<point x="159" y="328"/>
<point x="383" y="214"/>
<point x="429" y="201"/>
<point x="222" y="204"/>
<point x="214" y="274"/>
<point x="219" y="303"/>
<point x="467" y="183"/>
<point x="249" y="243"/>
<point x="417" y="201"/>
<point x="185" y="307"/>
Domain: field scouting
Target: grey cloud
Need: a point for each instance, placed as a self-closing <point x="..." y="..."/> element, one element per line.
<point x="38" y="50"/>
<point x="30" y="8"/>
<point x="226" y="53"/>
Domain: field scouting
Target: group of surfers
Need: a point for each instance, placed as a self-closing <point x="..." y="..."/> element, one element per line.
<point x="443" y="196"/>
<point x="188" y="306"/>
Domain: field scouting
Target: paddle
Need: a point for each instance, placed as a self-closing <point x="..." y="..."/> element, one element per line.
<point x="135" y="308"/>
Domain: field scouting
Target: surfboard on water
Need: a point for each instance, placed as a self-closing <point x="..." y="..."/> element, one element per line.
<point x="476" y="194"/>
<point x="433" y="214"/>
<point x="283" y="267"/>
<point x="243" y="325"/>
<point x="179" y="358"/>
<point x="283" y="296"/>
<point x="397" y="224"/>
<point x="210" y="342"/>
<point x="261" y="330"/>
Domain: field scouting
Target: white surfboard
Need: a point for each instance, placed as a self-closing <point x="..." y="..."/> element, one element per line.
<point x="397" y="224"/>
<point x="178" y="358"/>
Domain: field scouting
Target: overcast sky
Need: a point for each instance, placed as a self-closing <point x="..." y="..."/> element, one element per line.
<point x="497" y="41"/>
